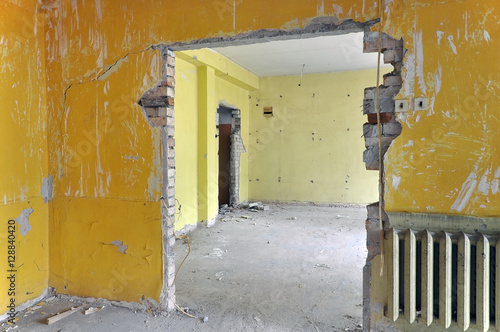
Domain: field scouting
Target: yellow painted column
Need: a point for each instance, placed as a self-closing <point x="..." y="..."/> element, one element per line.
<point x="207" y="145"/>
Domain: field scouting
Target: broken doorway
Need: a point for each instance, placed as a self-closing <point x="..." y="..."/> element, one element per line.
<point x="224" y="129"/>
<point x="230" y="147"/>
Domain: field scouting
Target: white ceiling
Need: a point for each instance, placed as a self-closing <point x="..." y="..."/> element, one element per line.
<point x="325" y="54"/>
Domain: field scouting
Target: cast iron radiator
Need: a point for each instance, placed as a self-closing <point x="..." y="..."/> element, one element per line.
<point x="446" y="278"/>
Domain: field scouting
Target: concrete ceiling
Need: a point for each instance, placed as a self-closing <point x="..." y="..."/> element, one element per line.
<point x="325" y="54"/>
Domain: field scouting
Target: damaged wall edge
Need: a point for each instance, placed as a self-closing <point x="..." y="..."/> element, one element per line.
<point x="319" y="26"/>
<point x="158" y="106"/>
<point x="382" y="97"/>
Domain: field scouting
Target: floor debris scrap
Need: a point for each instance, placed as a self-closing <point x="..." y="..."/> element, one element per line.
<point x="292" y="267"/>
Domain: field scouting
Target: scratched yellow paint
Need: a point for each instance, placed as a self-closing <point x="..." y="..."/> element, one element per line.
<point x="445" y="161"/>
<point x="110" y="187"/>
<point x="82" y="70"/>
<point x="23" y="152"/>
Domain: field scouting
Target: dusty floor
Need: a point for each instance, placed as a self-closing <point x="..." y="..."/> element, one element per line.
<point x="292" y="268"/>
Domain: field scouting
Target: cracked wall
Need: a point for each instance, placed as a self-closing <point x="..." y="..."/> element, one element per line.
<point x="23" y="152"/>
<point x="109" y="184"/>
<point x="445" y="161"/>
<point x="105" y="170"/>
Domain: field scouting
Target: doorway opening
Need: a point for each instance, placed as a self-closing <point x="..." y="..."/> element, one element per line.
<point x="270" y="132"/>
<point x="230" y="148"/>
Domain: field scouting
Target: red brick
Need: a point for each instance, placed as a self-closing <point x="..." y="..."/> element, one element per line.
<point x="384" y="117"/>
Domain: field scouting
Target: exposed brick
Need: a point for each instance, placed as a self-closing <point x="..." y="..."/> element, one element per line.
<point x="372" y="166"/>
<point x="390" y="79"/>
<point x="384" y="92"/>
<point x="388" y="129"/>
<point x="373" y="141"/>
<point x="158" y="121"/>
<point x="170" y="162"/>
<point x="398" y="67"/>
<point x="370" y="157"/>
<point x="170" y="53"/>
<point x="384" y="117"/>
<point x="162" y="111"/>
<point x="151" y="111"/>
<point x="171" y="61"/>
<point x="171" y="121"/>
<point x="170" y="131"/>
<point x="392" y="129"/>
<point x="171" y="201"/>
<point x="385" y="105"/>
<point x="170" y="71"/>
<point x="171" y="211"/>
<point x="170" y="112"/>
<point x="387" y="44"/>
<point x="391" y="56"/>
<point x="171" y="142"/>
<point x="168" y="80"/>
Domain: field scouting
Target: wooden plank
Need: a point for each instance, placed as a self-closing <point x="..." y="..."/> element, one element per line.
<point x="392" y="257"/>
<point x="463" y="282"/>
<point x="410" y="276"/>
<point x="445" y="280"/>
<point x="427" y="278"/>
<point x="58" y="317"/>
<point x="483" y="284"/>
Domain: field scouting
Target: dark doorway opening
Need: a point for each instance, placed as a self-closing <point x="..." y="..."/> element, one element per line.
<point x="224" y="128"/>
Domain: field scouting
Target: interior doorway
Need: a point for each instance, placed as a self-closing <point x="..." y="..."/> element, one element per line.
<point x="224" y="129"/>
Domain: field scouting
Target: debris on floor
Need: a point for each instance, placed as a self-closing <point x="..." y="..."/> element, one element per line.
<point x="252" y="207"/>
<point x="233" y="282"/>
<point x="92" y="310"/>
<point x="62" y="315"/>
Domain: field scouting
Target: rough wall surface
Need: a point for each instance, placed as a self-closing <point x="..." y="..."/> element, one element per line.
<point x="23" y="154"/>
<point x="445" y="160"/>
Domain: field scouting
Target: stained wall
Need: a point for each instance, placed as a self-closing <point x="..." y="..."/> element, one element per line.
<point x="24" y="179"/>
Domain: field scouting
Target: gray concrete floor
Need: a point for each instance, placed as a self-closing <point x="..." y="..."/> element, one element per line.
<point x="296" y="267"/>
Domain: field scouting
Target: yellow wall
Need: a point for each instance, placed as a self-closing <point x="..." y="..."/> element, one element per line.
<point x="446" y="159"/>
<point x="200" y="88"/>
<point x="186" y="143"/>
<point x="23" y="152"/>
<point x="233" y="95"/>
<point x="312" y="148"/>
<point x="107" y="187"/>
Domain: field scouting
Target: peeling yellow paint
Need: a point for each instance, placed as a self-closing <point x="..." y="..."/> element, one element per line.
<point x="59" y="114"/>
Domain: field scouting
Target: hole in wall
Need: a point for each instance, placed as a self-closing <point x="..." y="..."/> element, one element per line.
<point x="346" y="50"/>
